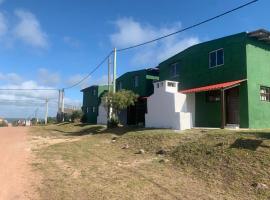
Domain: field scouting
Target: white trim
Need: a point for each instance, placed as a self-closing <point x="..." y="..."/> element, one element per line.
<point x="209" y="59"/>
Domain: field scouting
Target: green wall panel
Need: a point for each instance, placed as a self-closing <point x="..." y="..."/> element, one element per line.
<point x="258" y="65"/>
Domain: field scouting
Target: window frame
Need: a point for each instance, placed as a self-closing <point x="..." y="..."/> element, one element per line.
<point x="136" y="78"/>
<point x="216" y="55"/>
<point x="120" y="85"/>
<point x="266" y="94"/>
<point x="174" y="66"/>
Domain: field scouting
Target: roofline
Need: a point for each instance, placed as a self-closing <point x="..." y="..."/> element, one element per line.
<point x="94" y="86"/>
<point x="202" y="44"/>
<point x="150" y="68"/>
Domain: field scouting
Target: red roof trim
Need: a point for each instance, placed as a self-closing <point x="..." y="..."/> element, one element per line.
<point x="212" y="87"/>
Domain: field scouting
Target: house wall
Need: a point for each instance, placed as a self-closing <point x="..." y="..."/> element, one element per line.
<point x="102" y="115"/>
<point x="194" y="72"/>
<point x="167" y="108"/>
<point x="258" y="71"/>
<point x="133" y="115"/>
<point x="127" y="81"/>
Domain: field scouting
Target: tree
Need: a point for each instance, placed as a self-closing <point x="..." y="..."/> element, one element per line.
<point x="119" y="101"/>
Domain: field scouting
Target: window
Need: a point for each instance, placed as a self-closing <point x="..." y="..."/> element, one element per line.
<point x="216" y="58"/>
<point x="120" y="85"/>
<point x="94" y="92"/>
<point x="265" y="93"/>
<point x="171" y="84"/>
<point x="86" y="109"/>
<point x="93" y="109"/>
<point x="213" y="96"/>
<point x="174" y="69"/>
<point x="136" y="81"/>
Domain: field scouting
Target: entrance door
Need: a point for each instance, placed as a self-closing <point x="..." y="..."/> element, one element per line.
<point x="232" y="106"/>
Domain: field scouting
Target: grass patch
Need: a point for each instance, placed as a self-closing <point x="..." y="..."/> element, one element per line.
<point x="208" y="164"/>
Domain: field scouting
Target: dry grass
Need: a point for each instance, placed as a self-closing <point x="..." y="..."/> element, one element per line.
<point x="215" y="164"/>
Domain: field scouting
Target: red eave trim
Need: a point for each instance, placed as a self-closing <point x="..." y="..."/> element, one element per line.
<point x="212" y="87"/>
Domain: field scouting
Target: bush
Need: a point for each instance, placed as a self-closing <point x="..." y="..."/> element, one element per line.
<point x="67" y="117"/>
<point x="76" y="116"/>
<point x="84" y="118"/>
<point x="3" y="124"/>
<point x="113" y="123"/>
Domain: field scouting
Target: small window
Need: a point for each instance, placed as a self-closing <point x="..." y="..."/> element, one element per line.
<point x="157" y="85"/>
<point x="120" y="85"/>
<point x="265" y="93"/>
<point x="171" y="84"/>
<point x="94" y="92"/>
<point x="216" y="58"/>
<point x="93" y="109"/>
<point x="136" y="81"/>
<point x="174" y="70"/>
<point x="213" y="96"/>
<point x="86" y="109"/>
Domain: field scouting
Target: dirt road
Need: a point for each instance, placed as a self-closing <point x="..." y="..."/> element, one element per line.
<point x="14" y="169"/>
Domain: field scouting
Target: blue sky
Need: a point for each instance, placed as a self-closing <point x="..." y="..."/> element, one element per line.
<point x="55" y="43"/>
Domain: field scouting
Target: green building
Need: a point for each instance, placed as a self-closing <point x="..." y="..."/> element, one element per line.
<point x="141" y="83"/>
<point x="230" y="77"/>
<point x="91" y="101"/>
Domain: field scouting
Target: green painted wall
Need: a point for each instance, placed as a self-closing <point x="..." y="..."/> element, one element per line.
<point x="145" y="87"/>
<point x="258" y="71"/>
<point x="194" y="71"/>
<point x="90" y="100"/>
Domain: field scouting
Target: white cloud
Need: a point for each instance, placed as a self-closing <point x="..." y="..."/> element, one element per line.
<point x="11" y="77"/>
<point x="3" y="25"/>
<point x="29" y="30"/>
<point x="48" y="78"/>
<point x="71" y="42"/>
<point x="130" y="32"/>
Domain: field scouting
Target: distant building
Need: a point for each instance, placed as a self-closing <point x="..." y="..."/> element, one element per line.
<point x="92" y="108"/>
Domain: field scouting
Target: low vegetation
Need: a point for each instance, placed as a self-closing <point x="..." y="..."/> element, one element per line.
<point x="95" y="163"/>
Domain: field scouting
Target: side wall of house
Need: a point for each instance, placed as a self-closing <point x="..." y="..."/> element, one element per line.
<point x="258" y="62"/>
<point x="194" y="72"/>
<point x="127" y="81"/>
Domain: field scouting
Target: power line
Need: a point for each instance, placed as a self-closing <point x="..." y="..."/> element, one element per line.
<point x="190" y="27"/>
<point x="162" y="37"/>
<point x="89" y="74"/>
<point x="29" y="89"/>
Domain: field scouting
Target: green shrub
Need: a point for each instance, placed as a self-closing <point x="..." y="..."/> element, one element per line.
<point x="76" y="116"/>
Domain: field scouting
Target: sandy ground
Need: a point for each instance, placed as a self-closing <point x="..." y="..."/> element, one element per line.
<point x="15" y="171"/>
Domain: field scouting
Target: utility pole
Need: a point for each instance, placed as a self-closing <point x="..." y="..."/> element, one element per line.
<point x="63" y="104"/>
<point x="36" y="118"/>
<point x="114" y="70"/>
<point x="46" y="111"/>
<point x="109" y="89"/>
<point x="109" y="73"/>
<point x="59" y="101"/>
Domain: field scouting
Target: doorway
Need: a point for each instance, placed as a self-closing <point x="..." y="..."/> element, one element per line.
<point x="232" y="106"/>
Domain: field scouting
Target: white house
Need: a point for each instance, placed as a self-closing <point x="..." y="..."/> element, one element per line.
<point x="167" y="108"/>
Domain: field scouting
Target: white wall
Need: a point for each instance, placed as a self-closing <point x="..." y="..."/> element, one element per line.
<point x="167" y="108"/>
<point x="102" y="115"/>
